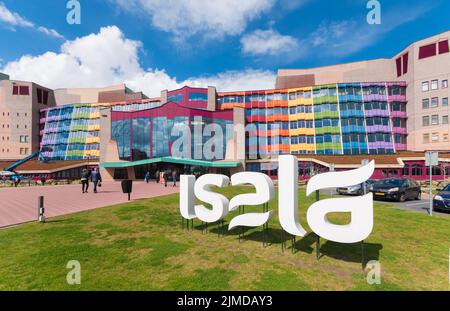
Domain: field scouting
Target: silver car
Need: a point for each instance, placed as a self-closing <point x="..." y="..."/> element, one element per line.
<point x="356" y="189"/>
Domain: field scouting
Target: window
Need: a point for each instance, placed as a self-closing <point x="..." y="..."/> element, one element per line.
<point x="445" y="137"/>
<point x="198" y="96"/>
<point x="425" y="121"/>
<point x="39" y="96"/>
<point x="445" y="119"/>
<point x="434" y="102"/>
<point x="405" y="63"/>
<point x="427" y="51"/>
<point x="425" y="86"/>
<point x="24" y="90"/>
<point x="399" y="66"/>
<point x="426" y="138"/>
<point x="435" y="119"/>
<point x="443" y="47"/>
<point x="435" y="137"/>
<point x="434" y="84"/>
<point x="445" y="102"/>
<point x="416" y="170"/>
<point x="405" y="171"/>
<point x="425" y="103"/>
<point x="444" y="84"/>
<point x="23" y="139"/>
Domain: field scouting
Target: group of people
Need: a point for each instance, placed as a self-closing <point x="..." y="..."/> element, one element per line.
<point x="163" y="177"/>
<point x="94" y="176"/>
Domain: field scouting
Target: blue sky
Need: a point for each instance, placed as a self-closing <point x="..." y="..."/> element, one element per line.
<point x="154" y="44"/>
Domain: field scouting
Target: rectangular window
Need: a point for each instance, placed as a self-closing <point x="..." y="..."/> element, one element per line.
<point x="15" y="90"/>
<point x="444" y="84"/>
<point x="399" y="66"/>
<point x="24" y="90"/>
<point x="427" y="51"/>
<point x="425" y="86"/>
<point x="435" y="137"/>
<point x="445" y="102"/>
<point x="45" y="102"/>
<point x="405" y="63"/>
<point x="434" y="102"/>
<point x="435" y="119"/>
<point x="39" y="96"/>
<point x="426" y="138"/>
<point x="425" y="121"/>
<point x="445" y="137"/>
<point x="194" y="96"/>
<point x="445" y="119"/>
<point x="425" y="103"/>
<point x="443" y="47"/>
<point x="434" y="84"/>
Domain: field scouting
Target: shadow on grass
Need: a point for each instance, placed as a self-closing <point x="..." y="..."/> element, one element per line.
<point x="307" y="244"/>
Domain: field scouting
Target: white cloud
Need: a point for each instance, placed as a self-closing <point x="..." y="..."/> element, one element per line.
<point x="108" y="57"/>
<point x="207" y="18"/>
<point x="268" y="42"/>
<point x="13" y="19"/>
<point x="50" y="32"/>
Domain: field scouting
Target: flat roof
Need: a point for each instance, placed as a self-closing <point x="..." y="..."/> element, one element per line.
<point x="171" y="160"/>
<point x="35" y="166"/>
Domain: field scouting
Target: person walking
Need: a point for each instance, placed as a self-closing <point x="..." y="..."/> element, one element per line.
<point x="174" y="178"/>
<point x="84" y="180"/>
<point x="96" y="179"/>
<point x="147" y="177"/>
<point x="161" y="177"/>
<point x="157" y="176"/>
<point x="166" y="178"/>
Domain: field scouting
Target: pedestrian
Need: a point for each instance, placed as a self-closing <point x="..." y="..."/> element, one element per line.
<point x="174" y="178"/>
<point x="84" y="180"/>
<point x="166" y="178"/>
<point x="157" y="176"/>
<point x="147" y="177"/>
<point x="161" y="177"/>
<point x="96" y="179"/>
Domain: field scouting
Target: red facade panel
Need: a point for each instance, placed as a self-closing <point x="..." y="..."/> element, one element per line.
<point x="443" y="47"/>
<point x="427" y="51"/>
<point x="405" y="63"/>
<point x="399" y="66"/>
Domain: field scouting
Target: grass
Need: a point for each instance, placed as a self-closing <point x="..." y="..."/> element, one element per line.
<point x="141" y="246"/>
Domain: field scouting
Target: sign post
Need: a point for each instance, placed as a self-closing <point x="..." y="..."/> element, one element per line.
<point x="431" y="159"/>
<point x="364" y="163"/>
<point x="332" y="169"/>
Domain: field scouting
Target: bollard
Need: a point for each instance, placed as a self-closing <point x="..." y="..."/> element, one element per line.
<point x="41" y="209"/>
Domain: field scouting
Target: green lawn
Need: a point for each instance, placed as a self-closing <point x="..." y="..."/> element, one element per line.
<point x="141" y="246"/>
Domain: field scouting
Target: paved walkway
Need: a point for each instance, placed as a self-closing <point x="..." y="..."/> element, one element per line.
<point x="19" y="205"/>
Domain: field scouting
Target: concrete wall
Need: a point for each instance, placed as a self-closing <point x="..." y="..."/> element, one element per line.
<point x="83" y="95"/>
<point x="433" y="68"/>
<point x="19" y="116"/>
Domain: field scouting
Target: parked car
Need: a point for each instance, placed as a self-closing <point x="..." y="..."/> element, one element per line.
<point x="441" y="201"/>
<point x="398" y="189"/>
<point x="356" y="189"/>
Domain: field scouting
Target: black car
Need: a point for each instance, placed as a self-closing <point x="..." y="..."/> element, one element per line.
<point x="441" y="201"/>
<point x="398" y="189"/>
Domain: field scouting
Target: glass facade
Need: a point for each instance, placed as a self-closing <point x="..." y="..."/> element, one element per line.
<point x="72" y="132"/>
<point x="335" y="119"/>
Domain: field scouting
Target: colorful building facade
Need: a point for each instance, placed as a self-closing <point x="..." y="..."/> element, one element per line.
<point x="333" y="119"/>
